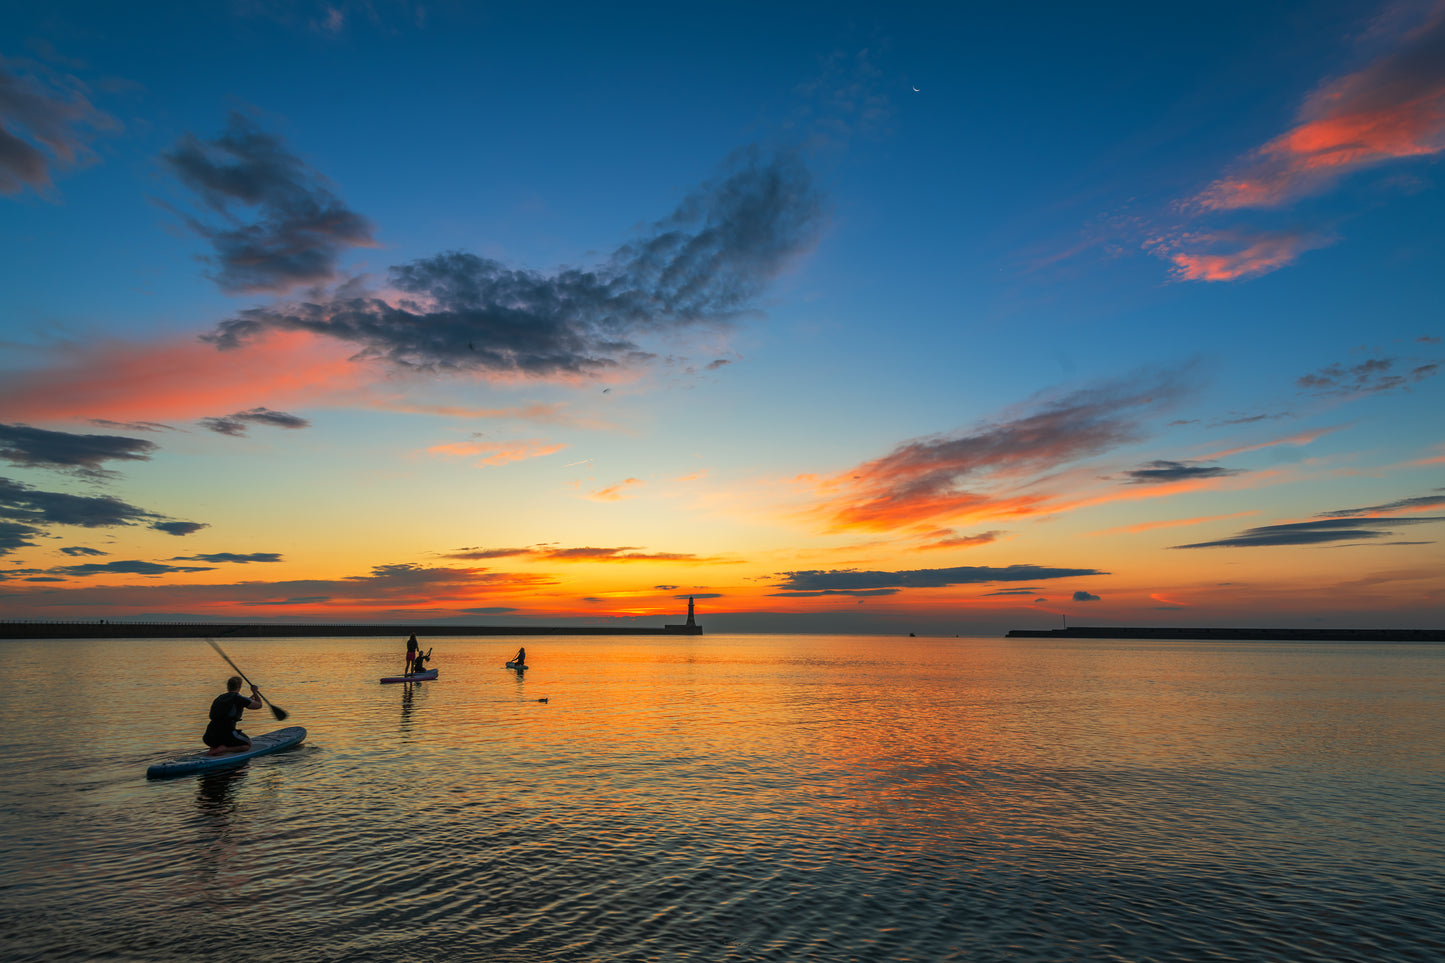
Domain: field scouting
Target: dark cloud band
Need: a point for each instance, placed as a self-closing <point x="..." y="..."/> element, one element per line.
<point x="40" y="448"/>
<point x="299" y="228"/>
<point x="237" y="423"/>
<point x="702" y="264"/>
<point x="852" y="580"/>
<point x="1164" y="472"/>
<point x="1314" y="532"/>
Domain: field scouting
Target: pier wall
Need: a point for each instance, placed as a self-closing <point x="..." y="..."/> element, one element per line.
<point x="1232" y="635"/>
<point x="229" y="630"/>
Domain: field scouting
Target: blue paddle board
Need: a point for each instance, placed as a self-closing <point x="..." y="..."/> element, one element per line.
<point x="426" y="676"/>
<point x="200" y="762"/>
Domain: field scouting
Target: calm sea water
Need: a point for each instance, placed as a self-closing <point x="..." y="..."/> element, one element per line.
<point x="731" y="798"/>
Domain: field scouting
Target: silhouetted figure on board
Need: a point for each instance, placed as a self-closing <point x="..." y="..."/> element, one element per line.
<point x="223" y="733"/>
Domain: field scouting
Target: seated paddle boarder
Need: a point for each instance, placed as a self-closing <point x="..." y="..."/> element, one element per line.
<point x="418" y="664"/>
<point x="224" y="734"/>
<point x="521" y="657"/>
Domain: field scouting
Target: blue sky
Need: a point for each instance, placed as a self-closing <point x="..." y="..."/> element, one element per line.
<point x="568" y="312"/>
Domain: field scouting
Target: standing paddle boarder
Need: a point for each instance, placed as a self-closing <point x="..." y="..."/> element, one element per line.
<point x="224" y="734"/>
<point x="411" y="651"/>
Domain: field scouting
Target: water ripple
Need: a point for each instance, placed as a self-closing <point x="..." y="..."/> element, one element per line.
<point x="742" y="799"/>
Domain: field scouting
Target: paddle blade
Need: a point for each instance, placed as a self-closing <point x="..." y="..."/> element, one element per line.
<point x="279" y="713"/>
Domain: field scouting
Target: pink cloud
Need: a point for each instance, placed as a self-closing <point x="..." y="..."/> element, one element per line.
<point x="178" y="380"/>
<point x="1392" y="109"/>
<point x="1232" y="255"/>
<point x="497" y="453"/>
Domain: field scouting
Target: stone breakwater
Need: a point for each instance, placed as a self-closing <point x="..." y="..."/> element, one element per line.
<point x="1232" y="635"/>
<point x="232" y="630"/>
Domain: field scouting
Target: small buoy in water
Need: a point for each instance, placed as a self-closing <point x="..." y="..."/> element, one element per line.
<point x="541" y="700"/>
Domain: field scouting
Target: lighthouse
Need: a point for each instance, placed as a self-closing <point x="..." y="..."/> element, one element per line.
<point x="690" y="627"/>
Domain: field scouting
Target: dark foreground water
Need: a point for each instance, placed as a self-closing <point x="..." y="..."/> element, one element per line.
<point x="732" y="798"/>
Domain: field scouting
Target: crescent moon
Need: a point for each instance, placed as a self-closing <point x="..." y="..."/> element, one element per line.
<point x="915" y="90"/>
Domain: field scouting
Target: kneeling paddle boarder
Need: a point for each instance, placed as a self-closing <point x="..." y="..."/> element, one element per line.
<point x="224" y="734"/>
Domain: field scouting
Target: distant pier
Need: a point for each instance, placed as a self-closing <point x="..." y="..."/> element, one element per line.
<point x="106" y="629"/>
<point x="1232" y="635"/>
<point x="235" y="630"/>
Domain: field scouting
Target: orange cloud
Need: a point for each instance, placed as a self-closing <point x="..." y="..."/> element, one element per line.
<point x="1304" y="438"/>
<point x="498" y="453"/>
<point x="947" y="539"/>
<point x="552" y="413"/>
<point x="1393" y="108"/>
<point x="178" y="380"/>
<point x="615" y="493"/>
<point x="958" y="478"/>
<point x="624" y="553"/>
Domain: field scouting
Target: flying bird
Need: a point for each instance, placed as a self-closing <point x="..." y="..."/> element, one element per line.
<point x="605" y="390"/>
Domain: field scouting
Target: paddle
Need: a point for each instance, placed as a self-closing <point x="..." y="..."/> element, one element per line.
<point x="276" y="710"/>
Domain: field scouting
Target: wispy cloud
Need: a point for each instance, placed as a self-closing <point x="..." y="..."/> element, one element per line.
<point x="847" y="99"/>
<point x="46" y="121"/>
<point x="618" y="492"/>
<point x="1301" y="439"/>
<point x="84" y="454"/>
<point x="986" y="472"/>
<point x="125" y="567"/>
<point x="497" y="452"/>
<point x="131" y="425"/>
<point x="625" y="553"/>
<point x="1165" y="472"/>
<point x="1419" y="503"/>
<point x="277" y="223"/>
<point x="27" y="512"/>
<point x="180" y="380"/>
<point x="240" y="559"/>
<point x="1367" y="377"/>
<point x="1314" y="532"/>
<point x="1171" y="523"/>
<point x="1237" y="253"/>
<point x="703" y="264"/>
<point x="1392" y="109"/>
<point x="388" y="589"/>
<point x="237" y="423"/>
<point x="947" y="539"/>
<point x="854" y="582"/>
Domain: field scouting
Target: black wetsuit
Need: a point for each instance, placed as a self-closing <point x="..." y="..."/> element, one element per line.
<point x="225" y="726"/>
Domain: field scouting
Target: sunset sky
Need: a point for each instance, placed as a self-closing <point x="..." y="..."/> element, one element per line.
<point x="834" y="317"/>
